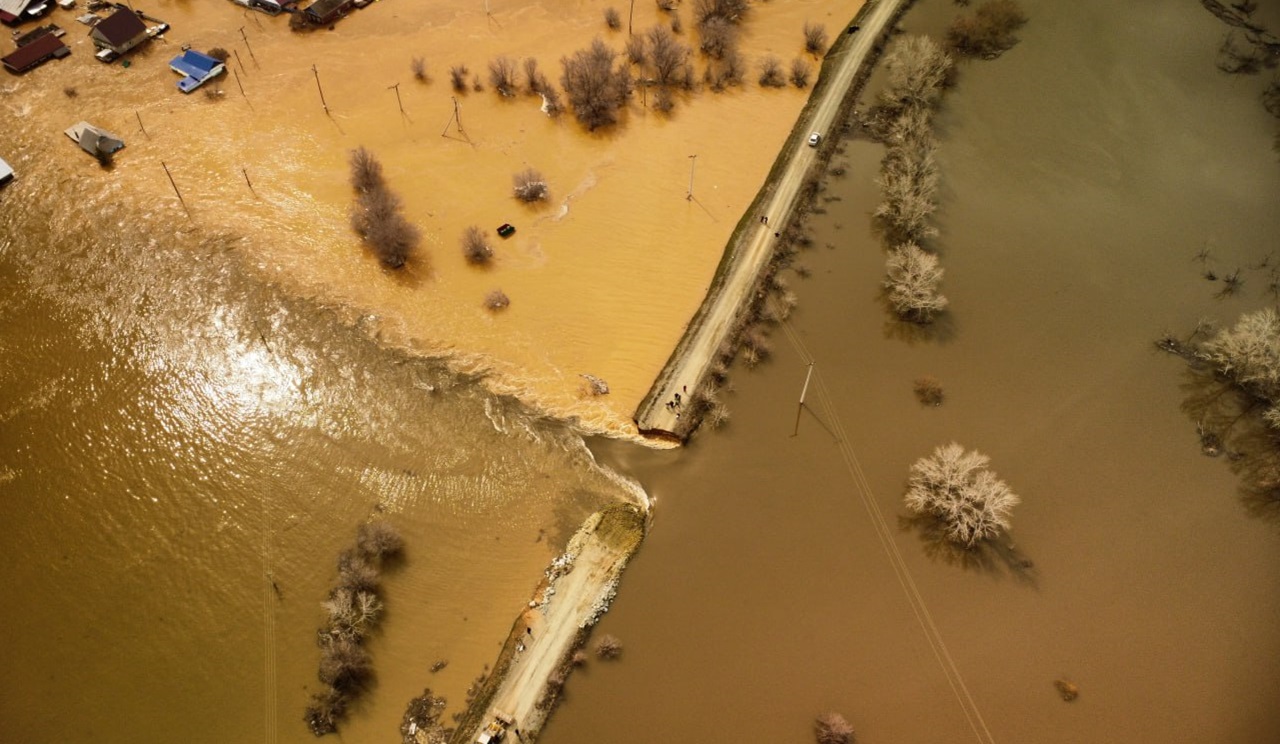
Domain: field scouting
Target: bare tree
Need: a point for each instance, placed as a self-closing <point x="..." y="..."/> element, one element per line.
<point x="958" y="489"/>
<point x="475" y="247"/>
<point x="458" y="78"/>
<point x="917" y="71"/>
<point x="832" y="728"/>
<point x="668" y="56"/>
<point x="1248" y="354"/>
<point x="989" y="31"/>
<point x="551" y="100"/>
<point x="502" y="75"/>
<point x="612" y="19"/>
<point x="663" y="101"/>
<point x="815" y="38"/>
<point x="800" y="71"/>
<point x="366" y="170"/>
<point x="912" y="278"/>
<point x="595" y="88"/>
<point x="771" y="75"/>
<point x="418" y="66"/>
<point x="530" y="186"/>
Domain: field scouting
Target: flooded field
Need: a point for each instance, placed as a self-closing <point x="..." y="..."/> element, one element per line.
<point x="602" y="279"/>
<point x="1083" y="172"/>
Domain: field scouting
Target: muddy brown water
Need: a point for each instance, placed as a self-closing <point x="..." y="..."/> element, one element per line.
<point x="1082" y="173"/>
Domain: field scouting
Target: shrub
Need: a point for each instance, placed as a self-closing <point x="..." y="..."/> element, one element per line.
<point x="70" y="91"/>
<point x="418" y="66"/>
<point x="771" y="73"/>
<point x="815" y="38"/>
<point x="530" y="186"/>
<point x="731" y="11"/>
<point x="608" y="647"/>
<point x="832" y="728"/>
<point x="955" y="487"/>
<point x="366" y="171"/>
<point x="220" y="54"/>
<point x="458" y="78"/>
<point x="800" y="71"/>
<point x="677" y="27"/>
<point x="912" y="278"/>
<point x="551" y="100"/>
<point x="502" y="75"/>
<point x="298" y="22"/>
<point x="612" y="19"/>
<point x="595" y="88"/>
<point x="635" y="50"/>
<point x="663" y="101"/>
<point x="475" y="247"/>
<point x="989" y="31"/>
<point x="1248" y="354"/>
<point x="496" y="300"/>
<point x="928" y="391"/>
<point x="379" y="540"/>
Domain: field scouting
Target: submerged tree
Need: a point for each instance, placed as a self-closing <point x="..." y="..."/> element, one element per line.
<point x="912" y="278"/>
<point x="376" y="216"/>
<point x="832" y="728"/>
<point x="955" y="487"/>
<point x="989" y="31"/>
<point x="530" y="186"/>
<point x="596" y="89"/>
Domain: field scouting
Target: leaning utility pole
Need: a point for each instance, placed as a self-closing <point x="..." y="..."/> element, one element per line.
<point x="322" y="101"/>
<point x="693" y="160"/>
<point x="396" y="87"/>
<point x="246" y="46"/>
<point x="175" y="188"/>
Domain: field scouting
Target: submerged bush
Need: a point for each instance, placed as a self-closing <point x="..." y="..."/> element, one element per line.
<point x="989" y="31"/>
<point x="832" y="728"/>
<point x="376" y="216"/>
<point x="530" y="186"/>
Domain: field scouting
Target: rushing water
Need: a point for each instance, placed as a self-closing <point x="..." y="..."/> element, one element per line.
<point x="1083" y="171"/>
<point x="184" y="451"/>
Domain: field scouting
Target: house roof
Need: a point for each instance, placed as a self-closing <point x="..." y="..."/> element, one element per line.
<point x="323" y="8"/>
<point x="14" y="7"/>
<point x="120" y="27"/>
<point x="37" y="51"/>
<point x="193" y="63"/>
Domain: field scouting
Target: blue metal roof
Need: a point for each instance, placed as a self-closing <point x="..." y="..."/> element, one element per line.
<point x="197" y="66"/>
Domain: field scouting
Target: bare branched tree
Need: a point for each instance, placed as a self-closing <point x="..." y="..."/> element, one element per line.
<point x="815" y="38"/>
<point x="475" y="246"/>
<point x="668" y="56"/>
<point x="728" y="10"/>
<point x="502" y="75"/>
<point x="635" y="50"/>
<point x="379" y="540"/>
<point x="716" y="37"/>
<point x="912" y="278"/>
<point x="917" y="70"/>
<point x="958" y="489"/>
<point x="595" y="88"/>
<point x="534" y="81"/>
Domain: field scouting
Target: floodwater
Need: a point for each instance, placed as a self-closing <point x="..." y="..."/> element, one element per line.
<point x="602" y="279"/>
<point x="1082" y="171"/>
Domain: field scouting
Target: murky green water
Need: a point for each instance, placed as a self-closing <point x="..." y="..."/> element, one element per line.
<point x="1082" y="172"/>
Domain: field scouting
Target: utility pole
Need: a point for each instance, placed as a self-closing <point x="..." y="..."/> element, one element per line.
<point x="457" y="117"/>
<point x="803" y="390"/>
<point x="239" y="61"/>
<point x="255" y="193"/>
<point x="630" y="15"/>
<point x="238" y="85"/>
<point x="693" y="160"/>
<point x="246" y="46"/>
<point x="322" y="101"/>
<point x="144" y="129"/>
<point x="396" y="87"/>
<point x="175" y="189"/>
